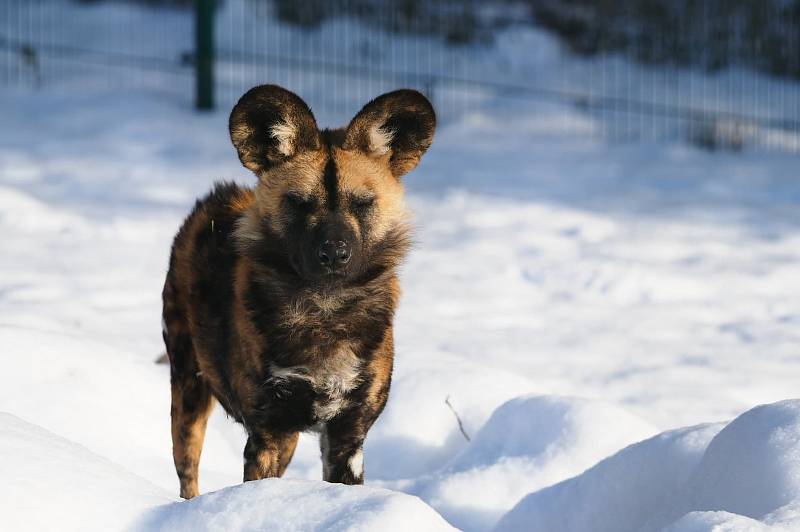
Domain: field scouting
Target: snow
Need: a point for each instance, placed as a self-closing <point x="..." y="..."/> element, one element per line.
<point x="297" y="505"/>
<point x="716" y="522"/>
<point x="620" y="493"/>
<point x="49" y="483"/>
<point x="752" y="467"/>
<point x="739" y="477"/>
<point x="575" y="302"/>
<point x="528" y="443"/>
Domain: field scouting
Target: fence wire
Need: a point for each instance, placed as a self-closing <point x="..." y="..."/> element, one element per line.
<point x="602" y="79"/>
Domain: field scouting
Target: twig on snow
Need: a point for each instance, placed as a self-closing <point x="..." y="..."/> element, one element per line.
<point x="458" y="418"/>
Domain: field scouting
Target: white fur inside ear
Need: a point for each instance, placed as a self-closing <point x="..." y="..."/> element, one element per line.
<point x="380" y="140"/>
<point x="284" y="133"/>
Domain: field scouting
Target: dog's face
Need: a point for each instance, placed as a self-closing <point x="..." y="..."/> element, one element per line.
<point x="330" y="201"/>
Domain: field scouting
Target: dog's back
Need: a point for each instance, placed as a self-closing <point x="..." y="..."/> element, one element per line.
<point x="198" y="292"/>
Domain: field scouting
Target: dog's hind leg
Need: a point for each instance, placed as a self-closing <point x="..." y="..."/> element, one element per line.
<point x="192" y="401"/>
<point x="191" y="406"/>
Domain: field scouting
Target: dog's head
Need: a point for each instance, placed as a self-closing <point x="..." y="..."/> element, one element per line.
<point x="330" y="201"/>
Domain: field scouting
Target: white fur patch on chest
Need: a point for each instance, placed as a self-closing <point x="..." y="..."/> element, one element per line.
<point x="332" y="378"/>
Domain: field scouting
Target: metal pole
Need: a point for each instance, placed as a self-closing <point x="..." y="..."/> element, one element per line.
<point x="204" y="53"/>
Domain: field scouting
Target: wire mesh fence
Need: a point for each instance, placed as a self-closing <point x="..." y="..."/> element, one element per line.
<point x="94" y="45"/>
<point x="731" y="80"/>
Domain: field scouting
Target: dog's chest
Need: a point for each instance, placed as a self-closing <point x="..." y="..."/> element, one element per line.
<point x="331" y="376"/>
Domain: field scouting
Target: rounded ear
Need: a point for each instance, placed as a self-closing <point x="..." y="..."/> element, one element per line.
<point x="270" y="125"/>
<point x="401" y="122"/>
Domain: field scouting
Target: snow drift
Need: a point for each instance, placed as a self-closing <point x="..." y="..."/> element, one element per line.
<point x="528" y="443"/>
<point x="297" y="505"/>
<point x="741" y="477"/>
<point x="49" y="483"/>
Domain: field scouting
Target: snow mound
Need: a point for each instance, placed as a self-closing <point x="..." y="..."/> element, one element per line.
<point x="296" y="505"/>
<point x="740" y="477"/>
<point x="417" y="433"/>
<point x="716" y="522"/>
<point x="49" y="483"/>
<point x="753" y="466"/>
<point x="74" y="387"/>
<point x="528" y="443"/>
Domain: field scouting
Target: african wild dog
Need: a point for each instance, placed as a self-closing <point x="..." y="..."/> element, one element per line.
<point x="279" y="299"/>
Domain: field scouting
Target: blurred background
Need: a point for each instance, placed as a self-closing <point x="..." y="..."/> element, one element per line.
<point x="711" y="72"/>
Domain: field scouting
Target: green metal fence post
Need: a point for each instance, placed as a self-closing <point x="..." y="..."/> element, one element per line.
<point x="204" y="53"/>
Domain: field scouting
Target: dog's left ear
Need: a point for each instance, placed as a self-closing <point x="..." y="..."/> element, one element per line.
<point x="399" y="123"/>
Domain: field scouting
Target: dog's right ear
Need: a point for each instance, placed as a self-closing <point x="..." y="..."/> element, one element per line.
<point x="400" y="123"/>
<point x="270" y="125"/>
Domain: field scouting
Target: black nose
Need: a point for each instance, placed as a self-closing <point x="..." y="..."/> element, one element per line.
<point x="333" y="253"/>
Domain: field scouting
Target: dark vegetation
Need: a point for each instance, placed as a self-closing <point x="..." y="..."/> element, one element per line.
<point x="710" y="34"/>
<point x="458" y="22"/>
<point x="713" y="34"/>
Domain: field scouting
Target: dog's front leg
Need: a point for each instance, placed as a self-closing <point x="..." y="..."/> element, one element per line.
<point x="341" y="444"/>
<point x="342" y="438"/>
<point x="268" y="454"/>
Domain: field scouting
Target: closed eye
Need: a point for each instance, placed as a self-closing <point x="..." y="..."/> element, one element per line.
<point x="362" y="202"/>
<point x="299" y="203"/>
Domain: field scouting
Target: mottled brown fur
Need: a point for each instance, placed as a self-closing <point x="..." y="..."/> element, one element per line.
<point x="283" y="343"/>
